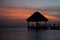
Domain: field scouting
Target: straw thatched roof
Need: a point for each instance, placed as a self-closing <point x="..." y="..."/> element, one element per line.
<point x="37" y="17"/>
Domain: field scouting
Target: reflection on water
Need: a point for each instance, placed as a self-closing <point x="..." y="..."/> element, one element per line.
<point x="45" y="35"/>
<point x="24" y="34"/>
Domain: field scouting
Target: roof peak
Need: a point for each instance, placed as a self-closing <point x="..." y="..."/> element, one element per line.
<point x="37" y="17"/>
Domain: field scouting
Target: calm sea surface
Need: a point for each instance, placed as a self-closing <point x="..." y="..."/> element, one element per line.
<point x="24" y="34"/>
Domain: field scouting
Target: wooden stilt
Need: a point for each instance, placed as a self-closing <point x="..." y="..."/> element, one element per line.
<point x="36" y="24"/>
<point x="28" y="25"/>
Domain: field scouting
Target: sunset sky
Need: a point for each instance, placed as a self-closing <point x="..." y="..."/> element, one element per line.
<point x="21" y="13"/>
<point x="30" y="3"/>
<point x="22" y="9"/>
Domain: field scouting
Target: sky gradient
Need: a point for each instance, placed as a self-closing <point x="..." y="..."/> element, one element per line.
<point x="30" y="3"/>
<point x="19" y="13"/>
<point x="16" y="17"/>
<point x="15" y="12"/>
<point x="51" y="5"/>
<point x="13" y="7"/>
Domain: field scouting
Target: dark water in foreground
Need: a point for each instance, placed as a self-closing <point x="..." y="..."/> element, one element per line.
<point x="24" y="34"/>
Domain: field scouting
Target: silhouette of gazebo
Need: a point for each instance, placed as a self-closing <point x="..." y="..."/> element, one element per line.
<point x="36" y="17"/>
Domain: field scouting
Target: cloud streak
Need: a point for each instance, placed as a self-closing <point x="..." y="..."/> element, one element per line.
<point x="17" y="13"/>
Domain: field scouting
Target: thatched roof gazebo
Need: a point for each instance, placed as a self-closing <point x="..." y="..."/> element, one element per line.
<point x="36" y="17"/>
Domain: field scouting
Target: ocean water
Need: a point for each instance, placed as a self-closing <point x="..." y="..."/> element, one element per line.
<point x="24" y="34"/>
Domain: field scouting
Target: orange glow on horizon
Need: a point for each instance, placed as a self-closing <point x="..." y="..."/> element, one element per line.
<point x="23" y="14"/>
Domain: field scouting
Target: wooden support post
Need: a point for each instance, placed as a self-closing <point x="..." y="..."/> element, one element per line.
<point x="36" y="24"/>
<point x="58" y="26"/>
<point x="46" y="25"/>
<point x="28" y="25"/>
